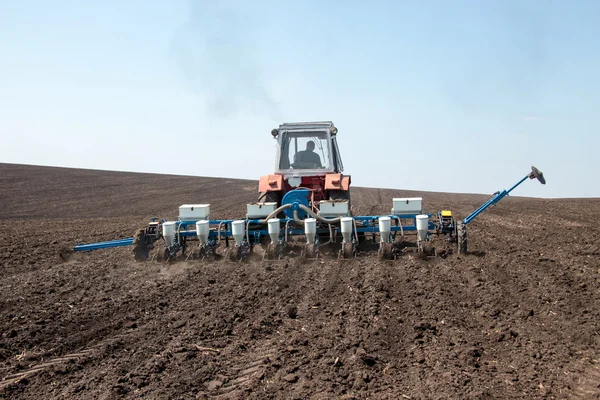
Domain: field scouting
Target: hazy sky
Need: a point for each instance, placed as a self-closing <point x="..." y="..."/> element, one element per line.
<point x="458" y="96"/>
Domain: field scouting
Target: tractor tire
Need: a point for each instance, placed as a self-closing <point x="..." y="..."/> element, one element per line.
<point x="461" y="237"/>
<point x="270" y="197"/>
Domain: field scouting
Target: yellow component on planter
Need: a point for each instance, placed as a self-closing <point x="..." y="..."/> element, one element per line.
<point x="446" y="213"/>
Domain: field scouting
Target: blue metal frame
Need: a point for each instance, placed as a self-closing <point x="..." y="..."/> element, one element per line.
<point x="104" y="245"/>
<point x="367" y="224"/>
<point x="497" y="197"/>
<point x="371" y="226"/>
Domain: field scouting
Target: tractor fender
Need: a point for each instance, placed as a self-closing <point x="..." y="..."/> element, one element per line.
<point x="337" y="182"/>
<point x="270" y="183"/>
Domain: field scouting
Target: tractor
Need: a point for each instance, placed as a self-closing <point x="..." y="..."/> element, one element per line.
<point x="308" y="157"/>
<point x="307" y="196"/>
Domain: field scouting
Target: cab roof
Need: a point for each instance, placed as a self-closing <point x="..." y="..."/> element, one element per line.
<point x="306" y="125"/>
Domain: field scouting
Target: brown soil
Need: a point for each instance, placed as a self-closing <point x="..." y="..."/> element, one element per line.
<point x="518" y="317"/>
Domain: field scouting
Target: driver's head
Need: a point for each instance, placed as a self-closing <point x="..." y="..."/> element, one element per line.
<point x="310" y="145"/>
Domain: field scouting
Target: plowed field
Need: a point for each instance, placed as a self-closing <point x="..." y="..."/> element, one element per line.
<point x="517" y="317"/>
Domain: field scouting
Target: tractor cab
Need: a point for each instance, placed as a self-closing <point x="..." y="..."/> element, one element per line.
<point x="307" y="149"/>
<point x="308" y="165"/>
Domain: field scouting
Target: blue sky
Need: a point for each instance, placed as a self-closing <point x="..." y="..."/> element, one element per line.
<point x="456" y="96"/>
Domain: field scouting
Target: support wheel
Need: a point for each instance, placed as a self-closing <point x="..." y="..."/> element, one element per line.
<point x="159" y="256"/>
<point x="235" y="254"/>
<point x="140" y="248"/>
<point x="461" y="237"/>
<point x="386" y="251"/>
<point x="202" y="253"/>
<point x="311" y="251"/>
<point x="426" y="250"/>
<point x="347" y="250"/>
<point x="271" y="251"/>
<point x="198" y="254"/>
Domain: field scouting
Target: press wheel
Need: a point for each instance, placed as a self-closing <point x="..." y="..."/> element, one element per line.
<point x="235" y="254"/>
<point x="461" y="237"/>
<point x="385" y="251"/>
<point x="140" y="248"/>
<point x="311" y="251"/>
<point x="347" y="250"/>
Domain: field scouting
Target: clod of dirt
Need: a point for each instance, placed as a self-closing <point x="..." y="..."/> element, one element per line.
<point x="292" y="311"/>
<point x="370" y="361"/>
<point x="60" y="369"/>
<point x="213" y="385"/>
<point x="475" y="353"/>
<point x="291" y="378"/>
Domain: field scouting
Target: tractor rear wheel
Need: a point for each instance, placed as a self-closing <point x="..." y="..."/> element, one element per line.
<point x="461" y="237"/>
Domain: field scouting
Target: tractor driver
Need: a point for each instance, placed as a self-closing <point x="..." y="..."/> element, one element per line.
<point x="308" y="156"/>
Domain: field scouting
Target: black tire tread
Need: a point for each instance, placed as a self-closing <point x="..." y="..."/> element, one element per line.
<point x="461" y="237"/>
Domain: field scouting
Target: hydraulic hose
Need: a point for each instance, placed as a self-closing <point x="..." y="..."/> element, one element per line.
<point x="296" y="219"/>
<point x="400" y="225"/>
<point x="286" y="230"/>
<point x="301" y="222"/>
<point x="219" y="233"/>
<point x="318" y="217"/>
<point x="274" y="213"/>
<point x="330" y="235"/>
